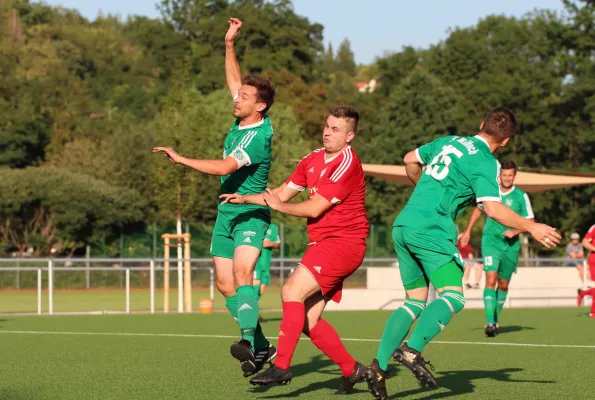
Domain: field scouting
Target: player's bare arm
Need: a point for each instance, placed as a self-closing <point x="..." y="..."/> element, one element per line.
<point x="544" y="234"/>
<point x="466" y="235"/>
<point x="311" y="208"/>
<point x="211" y="167"/>
<point x="233" y="75"/>
<point x="284" y="192"/>
<point x="588" y="245"/>
<point x="413" y="167"/>
<point x="513" y="232"/>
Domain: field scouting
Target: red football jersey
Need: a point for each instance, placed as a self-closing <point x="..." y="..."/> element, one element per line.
<point x="340" y="180"/>
<point x="590" y="236"/>
<point x="466" y="251"/>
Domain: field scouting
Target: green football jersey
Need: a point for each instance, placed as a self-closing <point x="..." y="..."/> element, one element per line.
<point x="264" y="261"/>
<point x="493" y="232"/>
<point x="251" y="146"/>
<point x="458" y="170"/>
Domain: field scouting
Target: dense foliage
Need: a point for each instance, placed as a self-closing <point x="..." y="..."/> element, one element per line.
<point x="82" y="103"/>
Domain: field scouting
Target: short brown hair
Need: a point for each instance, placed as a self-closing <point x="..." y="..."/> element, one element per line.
<point x="508" y="164"/>
<point x="500" y="123"/>
<point x="265" y="91"/>
<point x="347" y="113"/>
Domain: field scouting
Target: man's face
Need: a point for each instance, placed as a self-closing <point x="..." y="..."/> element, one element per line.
<point x="246" y="103"/>
<point x="507" y="178"/>
<point x="337" y="134"/>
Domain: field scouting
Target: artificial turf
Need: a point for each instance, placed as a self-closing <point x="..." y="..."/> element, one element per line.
<point x="179" y="356"/>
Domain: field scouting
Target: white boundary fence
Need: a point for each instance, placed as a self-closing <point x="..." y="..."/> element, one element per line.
<point x="282" y="266"/>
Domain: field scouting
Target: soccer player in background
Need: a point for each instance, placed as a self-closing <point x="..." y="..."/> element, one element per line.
<point x="471" y="275"/>
<point x="500" y="247"/>
<point x="262" y="271"/>
<point x="458" y="170"/>
<point x="589" y="244"/>
<point x="239" y="231"/>
<point x="337" y="231"/>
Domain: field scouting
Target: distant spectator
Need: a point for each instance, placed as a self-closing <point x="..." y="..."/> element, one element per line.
<point x="574" y="251"/>
<point x="589" y="244"/>
<point x="472" y="273"/>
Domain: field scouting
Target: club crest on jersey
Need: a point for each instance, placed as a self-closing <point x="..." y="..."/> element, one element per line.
<point x="509" y="202"/>
<point x="323" y="172"/>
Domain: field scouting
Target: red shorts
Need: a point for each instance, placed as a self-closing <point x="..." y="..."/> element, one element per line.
<point x="331" y="261"/>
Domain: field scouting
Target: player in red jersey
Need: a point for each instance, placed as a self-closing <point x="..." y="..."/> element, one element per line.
<point x="589" y="244"/>
<point x="337" y="231"/>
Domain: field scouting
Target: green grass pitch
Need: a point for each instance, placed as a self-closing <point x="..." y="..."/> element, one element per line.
<point x="187" y="357"/>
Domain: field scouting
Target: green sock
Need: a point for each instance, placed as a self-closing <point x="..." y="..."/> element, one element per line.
<point x="500" y="300"/>
<point x="231" y="303"/>
<point x="257" y="290"/>
<point x="489" y="302"/>
<point x="247" y="312"/>
<point x="435" y="318"/>
<point x="260" y="341"/>
<point x="397" y="328"/>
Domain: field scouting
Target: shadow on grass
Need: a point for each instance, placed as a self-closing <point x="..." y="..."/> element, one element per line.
<point x="462" y="382"/>
<point x="510" y="328"/>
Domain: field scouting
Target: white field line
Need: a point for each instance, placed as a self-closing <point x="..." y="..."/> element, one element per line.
<point x="189" y="335"/>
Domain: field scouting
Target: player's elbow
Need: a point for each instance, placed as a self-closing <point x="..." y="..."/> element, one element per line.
<point x="410" y="158"/>
<point x="490" y="208"/>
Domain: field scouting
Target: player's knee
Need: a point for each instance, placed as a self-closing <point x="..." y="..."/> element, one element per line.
<point x="503" y="286"/>
<point x="454" y="299"/>
<point x="227" y="289"/>
<point x="289" y="292"/>
<point x="242" y="276"/>
<point x="413" y="307"/>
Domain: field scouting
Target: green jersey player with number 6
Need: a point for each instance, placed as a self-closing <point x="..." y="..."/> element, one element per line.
<point x="458" y="170"/>
<point x="500" y="247"/>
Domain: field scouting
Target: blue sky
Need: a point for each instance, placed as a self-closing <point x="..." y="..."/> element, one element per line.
<point x="373" y="26"/>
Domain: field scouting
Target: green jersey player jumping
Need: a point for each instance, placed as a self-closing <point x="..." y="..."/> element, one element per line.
<point x="239" y="231"/>
<point x="500" y="246"/>
<point x="449" y="174"/>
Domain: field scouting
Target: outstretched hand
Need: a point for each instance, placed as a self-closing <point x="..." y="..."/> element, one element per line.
<point x="232" y="198"/>
<point x="234" y="28"/>
<point x="464" y="238"/>
<point x="169" y="152"/>
<point x="546" y="235"/>
<point x="271" y="199"/>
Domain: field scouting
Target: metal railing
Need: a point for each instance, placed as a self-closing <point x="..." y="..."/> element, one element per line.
<point x="280" y="267"/>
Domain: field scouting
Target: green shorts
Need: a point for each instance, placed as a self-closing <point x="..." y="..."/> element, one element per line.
<point x="420" y="254"/>
<point x="504" y="262"/>
<point x="233" y="229"/>
<point x="263" y="275"/>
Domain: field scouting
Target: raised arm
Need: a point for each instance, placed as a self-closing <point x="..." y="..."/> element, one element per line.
<point x="211" y="167"/>
<point x="233" y="76"/>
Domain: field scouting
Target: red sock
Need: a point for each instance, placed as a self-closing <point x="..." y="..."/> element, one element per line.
<point x="326" y="338"/>
<point x="292" y="324"/>
<point x="588" y="292"/>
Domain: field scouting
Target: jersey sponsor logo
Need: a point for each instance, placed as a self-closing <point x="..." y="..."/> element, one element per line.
<point x="323" y="172"/>
<point x="509" y="202"/>
<point x="317" y="268"/>
<point x="245" y="306"/>
<point x="249" y="233"/>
